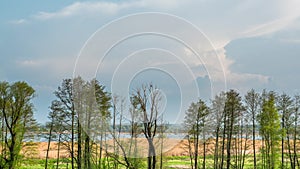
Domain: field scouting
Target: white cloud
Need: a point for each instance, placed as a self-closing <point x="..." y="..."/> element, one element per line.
<point x="18" y="22"/>
<point x="221" y="22"/>
<point x="267" y="28"/>
<point x="237" y="20"/>
<point x="285" y="13"/>
<point x="29" y="63"/>
<point x="109" y="8"/>
<point x="219" y="66"/>
<point x="162" y="4"/>
<point x="238" y="78"/>
<point x="83" y="8"/>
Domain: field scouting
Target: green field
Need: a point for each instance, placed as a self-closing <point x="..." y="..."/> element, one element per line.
<point x="168" y="163"/>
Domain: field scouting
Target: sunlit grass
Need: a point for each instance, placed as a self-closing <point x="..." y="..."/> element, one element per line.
<point x="168" y="162"/>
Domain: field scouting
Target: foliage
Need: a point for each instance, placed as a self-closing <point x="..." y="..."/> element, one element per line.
<point x="17" y="122"/>
<point x="87" y="125"/>
<point x="270" y="131"/>
<point x="195" y="122"/>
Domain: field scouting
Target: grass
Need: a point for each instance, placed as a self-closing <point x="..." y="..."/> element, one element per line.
<point x="168" y="163"/>
<point x="40" y="164"/>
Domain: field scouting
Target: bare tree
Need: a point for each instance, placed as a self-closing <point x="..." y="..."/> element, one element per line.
<point x="147" y="99"/>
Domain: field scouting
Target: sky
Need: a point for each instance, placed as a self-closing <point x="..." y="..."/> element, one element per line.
<point x="190" y="49"/>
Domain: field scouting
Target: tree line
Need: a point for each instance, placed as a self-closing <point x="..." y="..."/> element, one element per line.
<point x="258" y="129"/>
<point x="87" y="121"/>
<point x="86" y="127"/>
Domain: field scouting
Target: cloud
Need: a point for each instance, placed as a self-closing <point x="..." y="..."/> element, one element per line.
<point x="162" y="4"/>
<point x="29" y="63"/>
<point x="246" y="18"/>
<point x="238" y="78"/>
<point x="285" y="14"/>
<point x="83" y="8"/>
<point x="106" y="8"/>
<point x="18" y="22"/>
<point x="232" y="77"/>
<point x="271" y="56"/>
<point x="222" y="22"/>
<point x="267" y="28"/>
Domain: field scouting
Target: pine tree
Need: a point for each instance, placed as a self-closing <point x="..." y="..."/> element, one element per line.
<point x="252" y="103"/>
<point x="218" y="114"/>
<point x="285" y="109"/>
<point x="195" y="121"/>
<point x="233" y="109"/>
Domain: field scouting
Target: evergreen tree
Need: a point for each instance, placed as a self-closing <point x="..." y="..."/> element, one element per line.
<point x="252" y="103"/>
<point x="195" y="121"/>
<point x="233" y="109"/>
<point x="285" y="109"/>
<point x="218" y="115"/>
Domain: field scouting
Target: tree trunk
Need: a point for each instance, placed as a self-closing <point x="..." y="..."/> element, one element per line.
<point x="79" y="144"/>
<point x="196" y="145"/>
<point x="282" y="141"/>
<point x="228" y="159"/>
<point x="48" y="146"/>
<point x="101" y="148"/>
<point x="12" y="154"/>
<point x="216" y="152"/>
<point x="244" y="153"/>
<point x="149" y="162"/>
<point x="295" y="139"/>
<point x="87" y="152"/>
<point x="162" y="143"/>
<point x="58" y="151"/>
<point x="114" y="130"/>
<point x="72" y="140"/>
<point x="190" y="152"/>
<point x="204" y="154"/>
<point x="223" y="144"/>
<point x="289" y="151"/>
<point x="151" y="154"/>
<point x="253" y="141"/>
